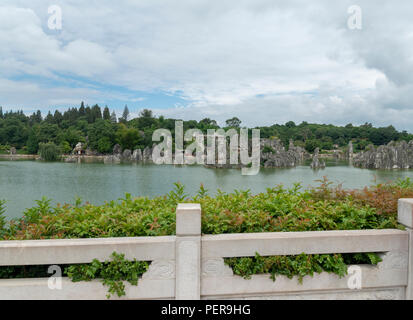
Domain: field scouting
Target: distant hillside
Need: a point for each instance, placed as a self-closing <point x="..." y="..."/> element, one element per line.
<point x="101" y="130"/>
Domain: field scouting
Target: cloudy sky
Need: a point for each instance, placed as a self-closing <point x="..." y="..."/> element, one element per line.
<point x="265" y="61"/>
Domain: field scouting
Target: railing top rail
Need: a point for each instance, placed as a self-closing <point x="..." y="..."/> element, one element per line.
<point x="83" y="242"/>
<point x="311" y="242"/>
<point x="68" y="251"/>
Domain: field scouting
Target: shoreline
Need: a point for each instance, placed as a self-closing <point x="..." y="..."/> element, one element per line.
<point x="19" y="156"/>
<point x="37" y="157"/>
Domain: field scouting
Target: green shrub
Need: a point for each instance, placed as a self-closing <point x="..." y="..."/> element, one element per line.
<point x="112" y="273"/>
<point x="5" y="149"/>
<point x="104" y="145"/>
<point x="300" y="265"/>
<point x="281" y="210"/>
<point x="2" y="217"/>
<point x="311" y="145"/>
<point x="268" y="149"/>
<point x="406" y="183"/>
<point x="49" y="151"/>
<point x="65" y="147"/>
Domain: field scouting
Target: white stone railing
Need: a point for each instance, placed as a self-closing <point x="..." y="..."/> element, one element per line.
<point x="191" y="266"/>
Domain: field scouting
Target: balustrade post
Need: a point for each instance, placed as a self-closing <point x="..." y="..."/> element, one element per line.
<point x="405" y="217"/>
<point x="188" y="252"/>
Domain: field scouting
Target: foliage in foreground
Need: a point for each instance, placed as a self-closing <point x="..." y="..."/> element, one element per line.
<point x="2" y="212"/>
<point x="382" y="197"/>
<point x="300" y="265"/>
<point x="282" y="210"/>
<point x="276" y="210"/>
<point x="112" y="273"/>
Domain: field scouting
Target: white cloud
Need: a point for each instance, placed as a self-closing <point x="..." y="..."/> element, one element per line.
<point x="266" y="61"/>
<point x="30" y="96"/>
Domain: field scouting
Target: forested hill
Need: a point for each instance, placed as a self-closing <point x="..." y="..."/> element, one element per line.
<point x="101" y="129"/>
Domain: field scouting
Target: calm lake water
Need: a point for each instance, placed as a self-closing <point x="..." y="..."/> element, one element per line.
<point x="23" y="182"/>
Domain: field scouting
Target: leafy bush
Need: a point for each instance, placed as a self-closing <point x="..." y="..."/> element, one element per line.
<point x="300" y="265"/>
<point x="311" y="145"/>
<point x="104" y="145"/>
<point x="112" y="273"/>
<point x="406" y="183"/>
<point x="49" y="151"/>
<point x="65" y="147"/>
<point x="4" y="149"/>
<point x="382" y="197"/>
<point x="281" y="210"/>
<point x="268" y="149"/>
<point x="2" y="217"/>
<point x="128" y="217"/>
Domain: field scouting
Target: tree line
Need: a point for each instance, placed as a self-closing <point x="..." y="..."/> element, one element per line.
<point x="101" y="129"/>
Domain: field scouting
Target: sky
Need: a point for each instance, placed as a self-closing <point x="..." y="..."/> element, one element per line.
<point x="264" y="61"/>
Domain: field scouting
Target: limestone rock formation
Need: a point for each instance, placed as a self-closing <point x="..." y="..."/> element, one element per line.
<point x="395" y="155"/>
<point x="90" y="152"/>
<point x="147" y="154"/>
<point x="137" y="155"/>
<point x="115" y="158"/>
<point x="274" y="155"/>
<point x="350" y="150"/>
<point x="72" y="159"/>
<point x="117" y="149"/>
<point x="127" y="155"/>
<point x="338" y="155"/>
<point x="317" y="163"/>
<point x="78" y="149"/>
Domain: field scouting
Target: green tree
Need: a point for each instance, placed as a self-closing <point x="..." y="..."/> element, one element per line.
<point x="102" y="129"/>
<point x="290" y="124"/>
<point x="128" y="138"/>
<point x="311" y="145"/>
<point x="106" y="113"/>
<point x="82" y="110"/>
<point x="233" y="122"/>
<point x="65" y="147"/>
<point x="49" y="151"/>
<point x="104" y="145"/>
<point x="57" y="117"/>
<point x="146" y="119"/>
<point x="96" y="113"/>
<point x="125" y="114"/>
<point x="32" y="143"/>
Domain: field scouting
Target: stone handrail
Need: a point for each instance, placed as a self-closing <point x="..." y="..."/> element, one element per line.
<point x="295" y="243"/>
<point x="73" y="251"/>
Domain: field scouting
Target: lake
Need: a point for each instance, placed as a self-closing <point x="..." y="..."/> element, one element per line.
<point x="23" y="182"/>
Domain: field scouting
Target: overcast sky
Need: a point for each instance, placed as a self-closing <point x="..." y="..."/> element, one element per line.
<point x="265" y="61"/>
